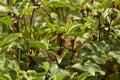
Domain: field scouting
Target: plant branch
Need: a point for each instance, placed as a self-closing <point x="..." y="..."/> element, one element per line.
<point x="31" y="19"/>
<point x="99" y="27"/>
<point x="109" y="30"/>
<point x="8" y="2"/>
<point x="24" y="22"/>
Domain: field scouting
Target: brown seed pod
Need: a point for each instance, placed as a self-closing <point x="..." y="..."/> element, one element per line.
<point x="112" y="5"/>
<point x="15" y="24"/>
<point x="99" y="26"/>
<point x="92" y="1"/>
<point x="59" y="34"/>
<point x="59" y="52"/>
<point x="14" y="31"/>
<point x="113" y="16"/>
<point x="96" y="16"/>
<point x="87" y="10"/>
<point x="61" y="40"/>
<point x="94" y="37"/>
<point x="9" y="13"/>
<point x="82" y="10"/>
<point x="72" y="40"/>
<point x="106" y="23"/>
<point x="99" y="13"/>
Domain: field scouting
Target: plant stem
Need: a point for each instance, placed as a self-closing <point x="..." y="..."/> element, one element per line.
<point x="31" y="21"/>
<point x="24" y="22"/>
<point x="99" y="26"/>
<point x="99" y="34"/>
<point x="33" y="1"/>
<point x="109" y="30"/>
<point x="8" y="2"/>
<point x="73" y="49"/>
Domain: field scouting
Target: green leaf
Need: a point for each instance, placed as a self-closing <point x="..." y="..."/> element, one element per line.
<point x="57" y="3"/>
<point x="60" y="58"/>
<point x="9" y="38"/>
<point x="75" y="34"/>
<point x="54" y="69"/>
<point x="31" y="73"/>
<point x="46" y="43"/>
<point x="13" y="74"/>
<point x="50" y="25"/>
<point x="57" y="73"/>
<point x="98" y="60"/>
<point x="13" y="1"/>
<point x="5" y="77"/>
<point x="115" y="54"/>
<point x="92" y="78"/>
<point x="28" y="10"/>
<point x="6" y="20"/>
<point x="45" y="66"/>
<point x="37" y="44"/>
<point x="106" y="12"/>
<point x="38" y="78"/>
<point x="68" y="26"/>
<point x="77" y="66"/>
<point x="12" y="63"/>
<point x="2" y="61"/>
<point x="91" y="68"/>
<point x="3" y="9"/>
<point x="83" y="76"/>
<point x="73" y="28"/>
<point x="54" y="17"/>
<point x="62" y="76"/>
<point x="114" y="76"/>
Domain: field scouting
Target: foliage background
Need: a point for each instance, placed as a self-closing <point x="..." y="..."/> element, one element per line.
<point x="59" y="39"/>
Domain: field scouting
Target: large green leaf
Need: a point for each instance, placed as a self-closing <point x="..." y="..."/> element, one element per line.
<point x="72" y="28"/>
<point x="98" y="60"/>
<point x="29" y="10"/>
<point x="8" y="63"/>
<point x="8" y="68"/>
<point x="83" y="76"/>
<point x="2" y="61"/>
<point x="62" y="76"/>
<point x="9" y="38"/>
<point x="12" y="63"/>
<point x="55" y="17"/>
<point x="92" y="78"/>
<point x="45" y="66"/>
<point x="75" y="34"/>
<point x="3" y="9"/>
<point x="91" y="68"/>
<point x="51" y="26"/>
<point x="115" y="54"/>
<point x="60" y="58"/>
<point x="37" y="44"/>
<point x="6" y="20"/>
<point x="57" y="73"/>
<point x="58" y="3"/>
<point x="115" y="76"/>
<point x="33" y="75"/>
<point x="5" y="77"/>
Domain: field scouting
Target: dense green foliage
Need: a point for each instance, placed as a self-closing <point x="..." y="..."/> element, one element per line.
<point x="59" y="39"/>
